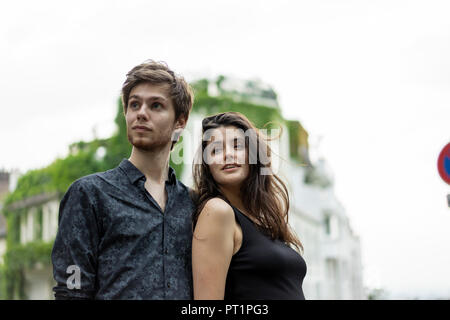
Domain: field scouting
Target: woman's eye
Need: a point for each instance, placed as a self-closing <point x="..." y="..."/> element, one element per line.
<point x="239" y="145"/>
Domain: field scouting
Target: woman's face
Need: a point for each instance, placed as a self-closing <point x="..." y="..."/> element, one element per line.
<point x="227" y="157"/>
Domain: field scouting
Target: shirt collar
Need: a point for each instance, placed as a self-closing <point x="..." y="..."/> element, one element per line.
<point x="134" y="174"/>
<point x="172" y="176"/>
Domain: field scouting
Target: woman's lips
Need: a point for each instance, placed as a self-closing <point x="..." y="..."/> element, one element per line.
<point x="235" y="166"/>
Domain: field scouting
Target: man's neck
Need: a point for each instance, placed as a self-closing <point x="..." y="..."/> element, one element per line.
<point x="154" y="164"/>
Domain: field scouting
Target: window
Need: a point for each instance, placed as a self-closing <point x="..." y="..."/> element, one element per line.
<point x="331" y="225"/>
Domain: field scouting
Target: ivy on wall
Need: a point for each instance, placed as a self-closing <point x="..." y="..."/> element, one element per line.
<point x="18" y="259"/>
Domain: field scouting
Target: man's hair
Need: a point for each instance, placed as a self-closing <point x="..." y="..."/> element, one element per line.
<point x="159" y="73"/>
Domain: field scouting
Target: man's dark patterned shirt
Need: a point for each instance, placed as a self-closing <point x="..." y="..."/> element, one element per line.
<point x="125" y="247"/>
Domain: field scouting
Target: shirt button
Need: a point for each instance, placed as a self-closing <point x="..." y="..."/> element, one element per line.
<point x="166" y="251"/>
<point x="168" y="285"/>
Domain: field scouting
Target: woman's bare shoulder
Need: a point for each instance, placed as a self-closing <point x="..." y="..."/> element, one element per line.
<point x="217" y="209"/>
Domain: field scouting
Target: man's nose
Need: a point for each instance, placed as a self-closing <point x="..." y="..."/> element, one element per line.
<point x="142" y="114"/>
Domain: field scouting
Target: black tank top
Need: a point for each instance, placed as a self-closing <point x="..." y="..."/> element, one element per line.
<point x="263" y="269"/>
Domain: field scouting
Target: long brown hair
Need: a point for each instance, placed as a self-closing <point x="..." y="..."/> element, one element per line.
<point x="265" y="196"/>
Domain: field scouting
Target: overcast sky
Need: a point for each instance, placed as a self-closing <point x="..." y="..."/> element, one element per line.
<point x="370" y="80"/>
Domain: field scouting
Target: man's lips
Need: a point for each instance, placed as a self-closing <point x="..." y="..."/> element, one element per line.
<point x="144" y="128"/>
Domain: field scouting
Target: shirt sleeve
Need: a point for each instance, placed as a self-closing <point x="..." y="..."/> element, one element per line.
<point x="74" y="254"/>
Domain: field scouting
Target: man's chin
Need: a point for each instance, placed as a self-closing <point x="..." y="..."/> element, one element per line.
<point x="144" y="145"/>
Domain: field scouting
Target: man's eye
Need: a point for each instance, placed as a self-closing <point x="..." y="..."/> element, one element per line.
<point x="134" y="105"/>
<point x="156" y="105"/>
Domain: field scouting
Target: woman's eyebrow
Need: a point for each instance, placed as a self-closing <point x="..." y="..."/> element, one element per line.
<point x="214" y="143"/>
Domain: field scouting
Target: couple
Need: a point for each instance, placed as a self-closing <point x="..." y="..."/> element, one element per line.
<point x="136" y="232"/>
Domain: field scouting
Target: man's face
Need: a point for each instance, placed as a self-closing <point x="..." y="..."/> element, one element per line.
<point x="150" y="117"/>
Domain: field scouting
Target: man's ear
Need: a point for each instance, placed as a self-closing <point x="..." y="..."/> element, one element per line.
<point x="180" y="123"/>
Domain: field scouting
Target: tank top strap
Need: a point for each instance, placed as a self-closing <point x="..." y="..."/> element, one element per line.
<point x="247" y="225"/>
<point x="242" y="219"/>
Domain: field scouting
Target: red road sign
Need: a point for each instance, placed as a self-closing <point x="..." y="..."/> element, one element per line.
<point x="443" y="163"/>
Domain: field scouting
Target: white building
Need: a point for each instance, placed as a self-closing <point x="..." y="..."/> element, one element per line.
<point x="38" y="222"/>
<point x="332" y="250"/>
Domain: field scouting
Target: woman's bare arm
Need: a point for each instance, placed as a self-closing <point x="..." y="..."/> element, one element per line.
<point x="212" y="249"/>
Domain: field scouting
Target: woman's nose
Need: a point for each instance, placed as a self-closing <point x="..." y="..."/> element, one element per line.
<point x="229" y="155"/>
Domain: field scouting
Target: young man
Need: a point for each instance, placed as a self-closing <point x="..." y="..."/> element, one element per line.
<point x="126" y="233"/>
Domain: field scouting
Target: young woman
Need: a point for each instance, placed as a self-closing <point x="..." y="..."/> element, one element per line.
<point x="242" y="245"/>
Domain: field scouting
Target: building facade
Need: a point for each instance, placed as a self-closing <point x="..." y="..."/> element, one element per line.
<point x="37" y="227"/>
